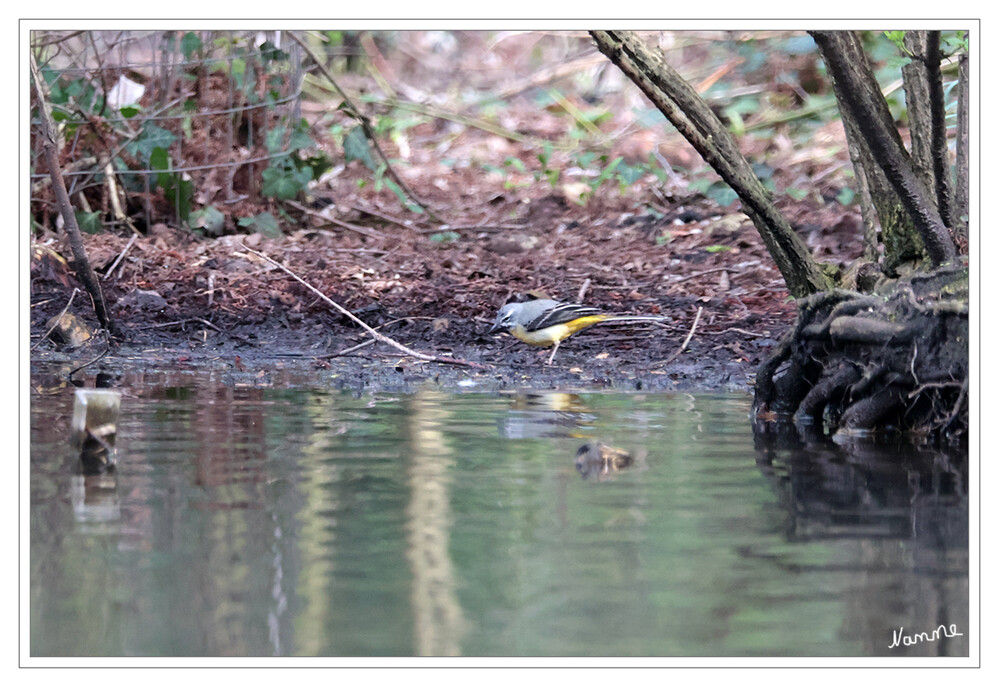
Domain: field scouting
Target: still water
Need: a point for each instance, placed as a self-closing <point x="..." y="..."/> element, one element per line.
<point x="250" y="520"/>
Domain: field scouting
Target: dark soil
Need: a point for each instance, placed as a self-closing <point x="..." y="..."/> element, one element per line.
<point x="180" y="299"/>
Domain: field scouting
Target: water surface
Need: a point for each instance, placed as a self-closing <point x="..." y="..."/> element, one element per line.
<point x="250" y="520"/>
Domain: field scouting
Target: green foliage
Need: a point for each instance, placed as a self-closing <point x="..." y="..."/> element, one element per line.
<point x="190" y="44"/>
<point x="845" y="196"/>
<point x="551" y="174"/>
<point x="288" y="175"/>
<point x="445" y="237"/>
<point x="208" y="219"/>
<point x="265" y="223"/>
<point x="898" y="39"/>
<point x="283" y="180"/>
<point x="149" y="139"/>
<point x="177" y="189"/>
<point x="954" y="42"/>
<point x="717" y="249"/>
<point x="715" y="189"/>
<point x="356" y="147"/>
<point x="89" y="222"/>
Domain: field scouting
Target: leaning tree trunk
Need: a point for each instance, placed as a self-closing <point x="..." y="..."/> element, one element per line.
<point x="854" y="361"/>
<point x="692" y="117"/>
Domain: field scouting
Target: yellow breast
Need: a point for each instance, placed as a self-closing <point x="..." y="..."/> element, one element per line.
<point x="551" y="335"/>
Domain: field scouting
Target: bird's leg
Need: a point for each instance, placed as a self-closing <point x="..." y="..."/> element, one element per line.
<point x="552" y="356"/>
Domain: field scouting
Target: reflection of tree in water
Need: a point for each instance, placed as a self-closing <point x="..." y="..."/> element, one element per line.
<point x="900" y="513"/>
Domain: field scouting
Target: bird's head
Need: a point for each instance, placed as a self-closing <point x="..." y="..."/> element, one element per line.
<point x="506" y="318"/>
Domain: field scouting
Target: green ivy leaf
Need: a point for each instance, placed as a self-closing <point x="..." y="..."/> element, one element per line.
<point x="284" y="182"/>
<point x="89" y="222"/>
<point x="300" y="139"/>
<point x="722" y="194"/>
<point x="445" y="237"/>
<point x="846" y="195"/>
<point x="355" y="147"/>
<point x="190" y="44"/>
<point x="159" y="159"/>
<point x="629" y="174"/>
<point x="150" y="138"/>
<point x="265" y="223"/>
<point x="209" y="219"/>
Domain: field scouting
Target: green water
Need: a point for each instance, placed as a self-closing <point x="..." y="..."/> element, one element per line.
<point x="299" y="521"/>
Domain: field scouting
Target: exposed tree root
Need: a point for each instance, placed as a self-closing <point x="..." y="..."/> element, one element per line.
<point x="895" y="360"/>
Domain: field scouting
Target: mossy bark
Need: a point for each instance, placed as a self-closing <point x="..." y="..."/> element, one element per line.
<point x="869" y="123"/>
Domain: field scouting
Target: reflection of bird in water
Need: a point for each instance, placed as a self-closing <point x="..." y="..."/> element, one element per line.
<point x="594" y="458"/>
<point x="546" y="414"/>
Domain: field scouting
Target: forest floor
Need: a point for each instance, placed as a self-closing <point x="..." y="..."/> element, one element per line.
<point x="504" y="227"/>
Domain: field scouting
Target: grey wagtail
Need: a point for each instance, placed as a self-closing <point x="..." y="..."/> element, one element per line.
<point x="544" y="322"/>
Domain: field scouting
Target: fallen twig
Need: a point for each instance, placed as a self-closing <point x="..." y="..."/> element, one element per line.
<point x="121" y="256"/>
<point x="56" y="321"/>
<point x="345" y="351"/>
<point x="363" y="231"/>
<point x="695" y="275"/>
<point x="377" y="335"/>
<point x="387" y="218"/>
<point x="686" y="341"/>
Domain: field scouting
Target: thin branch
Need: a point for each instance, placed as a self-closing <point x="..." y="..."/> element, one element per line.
<point x="56" y="321"/>
<point x="50" y="144"/>
<point x="686" y="341"/>
<point x="107" y="348"/>
<point x="365" y="125"/>
<point x="363" y="231"/>
<point x="377" y="335"/>
<point x="121" y="255"/>
<point x="346" y="351"/>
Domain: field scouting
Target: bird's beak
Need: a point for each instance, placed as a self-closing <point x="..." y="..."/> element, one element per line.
<point x="496" y="326"/>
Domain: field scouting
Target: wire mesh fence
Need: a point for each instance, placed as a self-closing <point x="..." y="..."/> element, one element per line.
<point x="155" y="123"/>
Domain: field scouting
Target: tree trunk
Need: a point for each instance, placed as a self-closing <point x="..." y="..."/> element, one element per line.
<point x="961" y="181"/>
<point x="858" y="95"/>
<point x="50" y="145"/>
<point x="924" y="99"/>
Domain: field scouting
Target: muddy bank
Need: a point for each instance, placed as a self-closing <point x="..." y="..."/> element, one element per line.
<point x="614" y="357"/>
